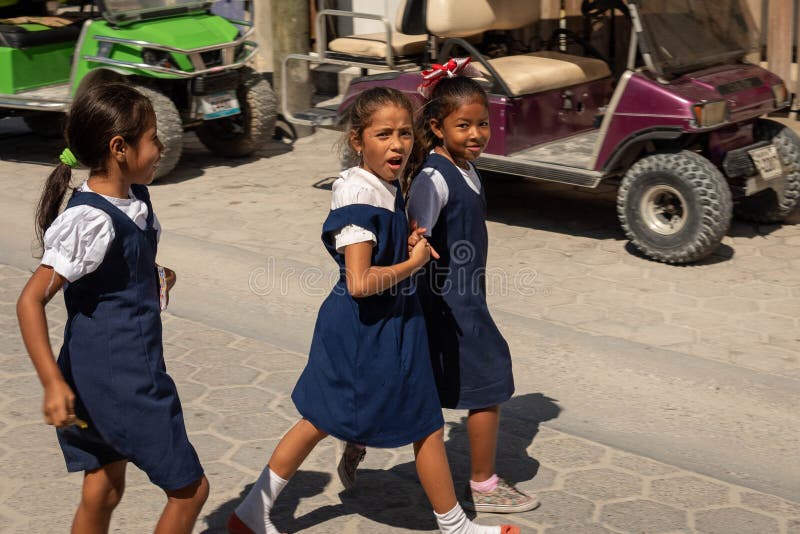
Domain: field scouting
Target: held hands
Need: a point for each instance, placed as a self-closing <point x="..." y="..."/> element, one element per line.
<point x="420" y="253"/>
<point x="418" y="234"/>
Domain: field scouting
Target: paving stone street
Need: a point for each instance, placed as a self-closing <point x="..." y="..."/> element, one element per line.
<point x="650" y="398"/>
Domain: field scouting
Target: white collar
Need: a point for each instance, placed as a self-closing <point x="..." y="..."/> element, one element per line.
<point x="385" y="190"/>
<point x="84" y="188"/>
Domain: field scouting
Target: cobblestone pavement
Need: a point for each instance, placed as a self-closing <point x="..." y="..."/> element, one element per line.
<point x="697" y="366"/>
<point x="235" y="392"/>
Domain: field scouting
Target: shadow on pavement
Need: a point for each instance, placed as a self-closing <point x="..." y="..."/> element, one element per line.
<point x="19" y="144"/>
<point x="591" y="213"/>
<point x="519" y="423"/>
<point x="394" y="497"/>
<point x="555" y="208"/>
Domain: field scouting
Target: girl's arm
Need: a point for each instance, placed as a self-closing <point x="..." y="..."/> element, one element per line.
<point x="59" y="399"/>
<point x="365" y="279"/>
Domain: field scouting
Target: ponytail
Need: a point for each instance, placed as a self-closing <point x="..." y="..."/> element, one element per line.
<point x="55" y="189"/>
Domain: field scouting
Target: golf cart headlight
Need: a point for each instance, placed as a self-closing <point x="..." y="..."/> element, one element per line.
<point x="157" y="58"/>
<point x="781" y="95"/>
<point x="708" y="114"/>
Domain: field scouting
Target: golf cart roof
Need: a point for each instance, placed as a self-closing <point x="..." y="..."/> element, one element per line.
<point x="679" y="36"/>
<point x="124" y="11"/>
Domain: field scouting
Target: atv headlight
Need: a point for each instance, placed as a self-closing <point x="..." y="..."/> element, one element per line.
<point x="708" y="114"/>
<point x="781" y="95"/>
<point x="157" y="58"/>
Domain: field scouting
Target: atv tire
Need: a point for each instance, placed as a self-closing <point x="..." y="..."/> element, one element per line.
<point x="774" y="204"/>
<point x="675" y="208"/>
<point x="46" y="124"/>
<point x="169" y="127"/>
<point x="241" y="135"/>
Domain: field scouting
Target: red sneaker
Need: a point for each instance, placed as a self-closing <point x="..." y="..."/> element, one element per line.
<point x="237" y="526"/>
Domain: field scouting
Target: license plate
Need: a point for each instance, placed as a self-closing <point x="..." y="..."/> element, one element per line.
<point x="219" y="105"/>
<point x="767" y="162"/>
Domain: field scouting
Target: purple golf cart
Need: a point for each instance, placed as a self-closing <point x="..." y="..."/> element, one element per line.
<point x="680" y="129"/>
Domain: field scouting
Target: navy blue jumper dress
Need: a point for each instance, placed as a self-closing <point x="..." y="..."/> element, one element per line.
<point x="368" y="378"/>
<point x="112" y="359"/>
<point x="471" y="360"/>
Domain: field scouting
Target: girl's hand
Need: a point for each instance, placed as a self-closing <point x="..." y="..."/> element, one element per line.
<point x="414" y="237"/>
<point x="420" y="253"/>
<point x="59" y="404"/>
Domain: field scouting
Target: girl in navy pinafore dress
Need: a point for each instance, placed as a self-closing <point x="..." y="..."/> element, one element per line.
<point x="368" y="378"/>
<point x="471" y="360"/>
<point x="109" y="394"/>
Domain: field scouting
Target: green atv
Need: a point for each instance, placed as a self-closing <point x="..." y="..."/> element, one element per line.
<point x="191" y="63"/>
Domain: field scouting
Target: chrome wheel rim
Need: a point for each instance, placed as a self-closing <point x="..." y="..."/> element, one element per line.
<point x="663" y="210"/>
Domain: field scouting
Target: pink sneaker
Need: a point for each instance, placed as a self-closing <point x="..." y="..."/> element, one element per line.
<point x="504" y="499"/>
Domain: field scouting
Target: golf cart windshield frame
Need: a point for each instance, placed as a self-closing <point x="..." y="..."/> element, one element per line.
<point x="127" y="11"/>
<point x="690" y="34"/>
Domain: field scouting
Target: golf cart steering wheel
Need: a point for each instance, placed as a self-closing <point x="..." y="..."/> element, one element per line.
<point x="553" y="41"/>
<point x="595" y="8"/>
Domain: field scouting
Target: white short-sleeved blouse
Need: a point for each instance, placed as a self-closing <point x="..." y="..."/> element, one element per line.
<point x="358" y="186"/>
<point x="77" y="241"/>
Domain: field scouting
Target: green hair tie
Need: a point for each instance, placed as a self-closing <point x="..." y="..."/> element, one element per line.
<point x="68" y="158"/>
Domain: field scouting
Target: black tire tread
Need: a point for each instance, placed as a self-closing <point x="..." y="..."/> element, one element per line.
<point x="47" y="124"/>
<point x="263" y="109"/>
<point x="170" y="129"/>
<point x="712" y="191"/>
<point x="779" y="206"/>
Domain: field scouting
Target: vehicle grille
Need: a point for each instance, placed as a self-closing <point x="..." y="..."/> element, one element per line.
<point x="739" y="164"/>
<point x="215" y="83"/>
<point x="212" y="58"/>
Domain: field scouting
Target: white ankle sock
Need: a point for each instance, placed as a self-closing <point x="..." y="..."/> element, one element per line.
<point x="456" y="522"/>
<point x="255" y="508"/>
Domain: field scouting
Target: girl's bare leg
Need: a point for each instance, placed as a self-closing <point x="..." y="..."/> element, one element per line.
<point x="434" y="472"/>
<point x="293" y="449"/>
<point x="183" y="507"/>
<point x="252" y="514"/>
<point x="482" y="428"/>
<point x="102" y="491"/>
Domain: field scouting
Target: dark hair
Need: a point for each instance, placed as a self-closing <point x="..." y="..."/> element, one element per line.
<point x="359" y="117"/>
<point x="95" y="117"/>
<point x="448" y="95"/>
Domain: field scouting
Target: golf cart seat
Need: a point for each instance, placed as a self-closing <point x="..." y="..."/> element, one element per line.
<point x="523" y="73"/>
<point x="407" y="46"/>
<point x="373" y="45"/>
<point x="546" y="70"/>
<point x="26" y="32"/>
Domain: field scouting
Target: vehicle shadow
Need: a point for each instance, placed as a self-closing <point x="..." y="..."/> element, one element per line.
<point x="394" y="497"/>
<point x="589" y="213"/>
<point x="196" y="158"/>
<point x="557" y="208"/>
<point x="19" y="144"/>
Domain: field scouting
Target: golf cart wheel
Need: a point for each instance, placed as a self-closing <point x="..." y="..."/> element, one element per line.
<point x="169" y="126"/>
<point x="675" y="208"/>
<point x="776" y="203"/>
<point x="46" y="124"/>
<point x="241" y="135"/>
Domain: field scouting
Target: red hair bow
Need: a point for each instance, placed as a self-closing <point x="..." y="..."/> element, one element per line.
<point x="455" y="67"/>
